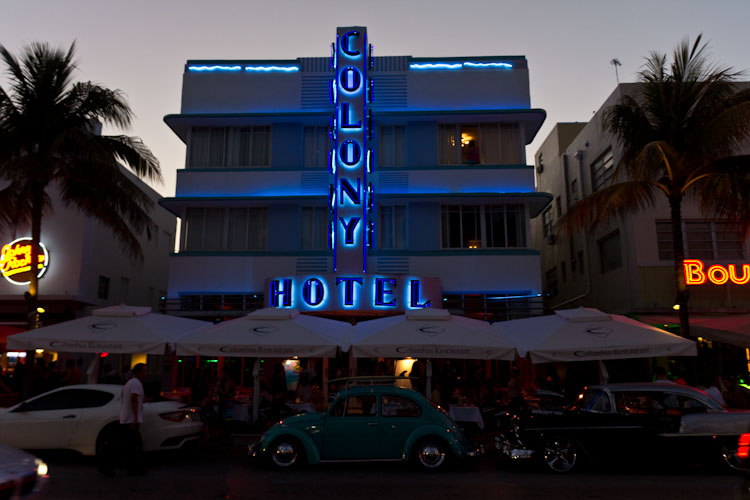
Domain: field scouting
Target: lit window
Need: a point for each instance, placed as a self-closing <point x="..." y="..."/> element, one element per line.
<point x="484" y="143"/>
<point x="491" y="226"/>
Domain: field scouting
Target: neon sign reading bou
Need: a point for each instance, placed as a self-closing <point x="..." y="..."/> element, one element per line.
<point x="15" y="261"/>
<point x="696" y="274"/>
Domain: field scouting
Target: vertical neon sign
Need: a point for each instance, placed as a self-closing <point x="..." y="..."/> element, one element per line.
<point x="350" y="153"/>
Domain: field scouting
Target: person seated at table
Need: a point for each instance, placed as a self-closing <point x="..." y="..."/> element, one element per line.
<point x="317" y="398"/>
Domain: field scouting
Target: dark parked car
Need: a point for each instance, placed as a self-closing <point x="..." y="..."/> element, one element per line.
<point x="378" y="422"/>
<point x="635" y="422"/>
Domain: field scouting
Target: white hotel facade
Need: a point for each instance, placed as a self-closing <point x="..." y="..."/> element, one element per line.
<point x="356" y="186"/>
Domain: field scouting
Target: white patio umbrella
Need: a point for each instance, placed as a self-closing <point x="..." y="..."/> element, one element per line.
<point x="589" y="334"/>
<point x="428" y="333"/>
<point x="269" y="332"/>
<point x="118" y="330"/>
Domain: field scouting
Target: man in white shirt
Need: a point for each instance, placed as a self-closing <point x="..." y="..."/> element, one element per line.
<point x="129" y="437"/>
<point x="131" y="415"/>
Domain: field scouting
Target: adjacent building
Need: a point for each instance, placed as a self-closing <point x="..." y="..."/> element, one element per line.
<point x="356" y="186"/>
<point x="626" y="266"/>
<point x="85" y="265"/>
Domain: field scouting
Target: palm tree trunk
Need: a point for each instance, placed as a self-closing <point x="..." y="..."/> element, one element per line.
<point x="36" y="233"/>
<point x="675" y="203"/>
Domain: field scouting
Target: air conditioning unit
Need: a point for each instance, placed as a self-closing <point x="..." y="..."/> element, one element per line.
<point x="551" y="239"/>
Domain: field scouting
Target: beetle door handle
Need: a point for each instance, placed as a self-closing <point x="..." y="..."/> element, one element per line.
<point x="372" y="423"/>
<point x="69" y="416"/>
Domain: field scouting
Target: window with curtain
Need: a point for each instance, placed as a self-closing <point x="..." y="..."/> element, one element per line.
<point x="393" y="227"/>
<point x="490" y="226"/>
<point x="210" y="147"/>
<point x="314" y="228"/>
<point x="392" y="147"/>
<point x="316" y="146"/>
<point x="246" y="229"/>
<point x="483" y="143"/>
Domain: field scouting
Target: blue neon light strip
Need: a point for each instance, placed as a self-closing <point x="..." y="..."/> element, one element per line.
<point x="214" y="68"/>
<point x="236" y="68"/>
<point x="449" y="66"/>
<point x="268" y="69"/>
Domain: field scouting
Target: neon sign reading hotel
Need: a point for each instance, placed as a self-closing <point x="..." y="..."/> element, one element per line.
<point x="351" y="204"/>
<point x="696" y="274"/>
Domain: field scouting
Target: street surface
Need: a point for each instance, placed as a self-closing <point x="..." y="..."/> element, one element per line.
<point x="213" y="473"/>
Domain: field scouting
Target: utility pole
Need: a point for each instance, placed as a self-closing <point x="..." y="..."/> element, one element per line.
<point x="616" y="62"/>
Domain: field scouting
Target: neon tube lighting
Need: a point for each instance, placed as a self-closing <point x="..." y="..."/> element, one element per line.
<point x="488" y="65"/>
<point x="435" y="66"/>
<point x="268" y="69"/>
<point x="214" y="68"/>
<point x="460" y="65"/>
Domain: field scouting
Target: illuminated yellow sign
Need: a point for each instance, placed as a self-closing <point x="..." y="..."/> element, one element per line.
<point x="15" y="261"/>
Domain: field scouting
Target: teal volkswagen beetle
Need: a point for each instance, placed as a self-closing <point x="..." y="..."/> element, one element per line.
<point x="377" y="422"/>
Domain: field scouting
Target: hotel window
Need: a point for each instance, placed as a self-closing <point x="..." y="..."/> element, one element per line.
<point x="484" y="143"/>
<point x="392" y="150"/>
<point x="610" y="253"/>
<point x="314" y="228"/>
<point x="504" y="226"/>
<point x="246" y="229"/>
<point x="251" y="146"/>
<point x="475" y="226"/>
<point x="602" y="169"/>
<point x="210" y="147"/>
<point x="317" y="144"/>
<point x="393" y="227"/>
<point x="701" y="239"/>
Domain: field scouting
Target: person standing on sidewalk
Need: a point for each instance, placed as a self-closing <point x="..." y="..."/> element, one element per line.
<point x="127" y="449"/>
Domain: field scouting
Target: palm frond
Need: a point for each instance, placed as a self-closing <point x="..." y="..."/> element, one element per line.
<point x="725" y="193"/>
<point x="133" y="152"/>
<point x="607" y="204"/>
<point x="113" y="199"/>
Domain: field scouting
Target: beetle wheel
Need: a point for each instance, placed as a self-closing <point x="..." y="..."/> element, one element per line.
<point x="560" y="454"/>
<point x="285" y="452"/>
<point x="430" y="453"/>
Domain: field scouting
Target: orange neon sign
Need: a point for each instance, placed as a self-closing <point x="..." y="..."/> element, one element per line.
<point x="716" y="274"/>
<point x="15" y="261"/>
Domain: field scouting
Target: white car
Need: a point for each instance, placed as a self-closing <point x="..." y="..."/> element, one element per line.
<point x="22" y="476"/>
<point x="84" y="418"/>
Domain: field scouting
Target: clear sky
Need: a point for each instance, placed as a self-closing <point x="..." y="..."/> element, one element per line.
<point x="141" y="46"/>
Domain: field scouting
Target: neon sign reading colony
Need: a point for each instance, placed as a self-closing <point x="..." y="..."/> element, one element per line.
<point x="696" y="274"/>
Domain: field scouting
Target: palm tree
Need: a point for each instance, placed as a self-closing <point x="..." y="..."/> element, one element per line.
<point x="680" y="134"/>
<point x="48" y="137"/>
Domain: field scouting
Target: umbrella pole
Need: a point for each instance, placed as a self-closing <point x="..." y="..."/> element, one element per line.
<point x="256" y="389"/>
<point x="428" y="385"/>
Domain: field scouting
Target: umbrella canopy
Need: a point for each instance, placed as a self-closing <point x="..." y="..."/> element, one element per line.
<point x="428" y="333"/>
<point x="119" y="330"/>
<point x="268" y="332"/>
<point x="589" y="334"/>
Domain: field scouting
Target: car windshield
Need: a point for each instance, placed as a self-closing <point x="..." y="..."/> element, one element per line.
<point x="596" y="400"/>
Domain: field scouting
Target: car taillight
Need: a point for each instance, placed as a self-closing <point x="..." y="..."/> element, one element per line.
<point x="743" y="446"/>
<point x="180" y="415"/>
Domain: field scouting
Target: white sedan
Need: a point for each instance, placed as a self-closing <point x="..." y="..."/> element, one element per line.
<point x="84" y="418"/>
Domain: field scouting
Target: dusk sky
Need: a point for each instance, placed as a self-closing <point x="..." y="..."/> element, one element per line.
<point x="141" y="46"/>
